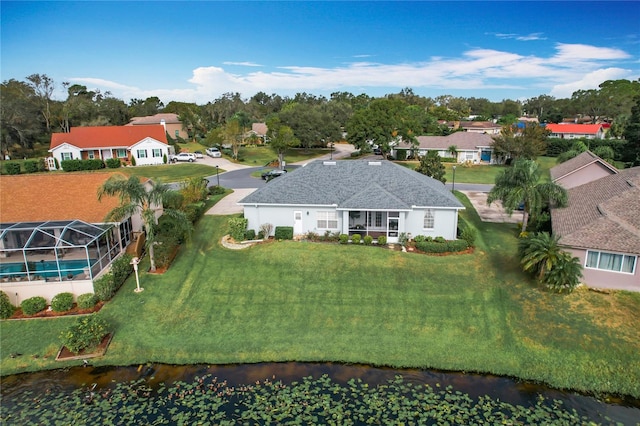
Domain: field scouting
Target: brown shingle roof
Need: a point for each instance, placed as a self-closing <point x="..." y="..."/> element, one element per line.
<point x="60" y="196"/>
<point x="169" y="118"/>
<point x="603" y="214"/>
<point x="462" y="140"/>
<point x="576" y="163"/>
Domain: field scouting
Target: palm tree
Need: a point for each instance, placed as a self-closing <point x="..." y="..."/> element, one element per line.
<point x="519" y="186"/>
<point x="135" y="198"/>
<point x="453" y="150"/>
<point x="542" y="256"/>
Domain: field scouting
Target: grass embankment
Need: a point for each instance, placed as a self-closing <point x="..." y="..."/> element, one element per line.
<point x="171" y="172"/>
<point x="482" y="173"/>
<point x="321" y="302"/>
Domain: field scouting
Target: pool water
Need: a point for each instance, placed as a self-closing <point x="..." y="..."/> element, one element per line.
<point x="47" y="269"/>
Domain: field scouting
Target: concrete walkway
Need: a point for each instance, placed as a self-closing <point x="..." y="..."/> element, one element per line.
<point x="494" y="212"/>
<point x="229" y="204"/>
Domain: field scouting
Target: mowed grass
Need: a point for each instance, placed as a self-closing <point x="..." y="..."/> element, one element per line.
<point x="298" y="301"/>
<point x="171" y="172"/>
<point x="260" y="155"/>
<point x="483" y="173"/>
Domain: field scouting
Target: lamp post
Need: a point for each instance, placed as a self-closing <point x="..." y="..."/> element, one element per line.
<point x="331" y="143"/>
<point x="454" y="179"/>
<point x="217" y="175"/>
<point x="135" y="262"/>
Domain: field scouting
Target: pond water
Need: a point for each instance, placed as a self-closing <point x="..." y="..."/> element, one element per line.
<point x="624" y="411"/>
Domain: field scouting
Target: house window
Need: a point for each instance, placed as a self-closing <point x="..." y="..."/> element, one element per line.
<point x="121" y="153"/>
<point x="142" y="153"/>
<point x="611" y="262"/>
<point x="157" y="152"/>
<point x="177" y="133"/>
<point x="375" y="219"/>
<point x="66" y="156"/>
<point x="91" y="155"/>
<point x="428" y="219"/>
<point x="327" y="220"/>
<point x="468" y="156"/>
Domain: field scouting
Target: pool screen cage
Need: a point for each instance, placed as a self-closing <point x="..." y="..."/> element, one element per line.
<point x="56" y="250"/>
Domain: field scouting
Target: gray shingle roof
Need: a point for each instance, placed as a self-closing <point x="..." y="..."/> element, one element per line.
<point x="603" y="214"/>
<point x="380" y="185"/>
<point x="577" y="163"/>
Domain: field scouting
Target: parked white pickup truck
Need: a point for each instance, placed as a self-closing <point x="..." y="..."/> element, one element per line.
<point x="184" y="156"/>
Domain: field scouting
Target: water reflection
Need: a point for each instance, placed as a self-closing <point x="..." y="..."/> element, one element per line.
<point x="626" y="411"/>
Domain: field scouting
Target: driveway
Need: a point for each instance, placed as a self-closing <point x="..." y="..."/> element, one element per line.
<point x="492" y="213"/>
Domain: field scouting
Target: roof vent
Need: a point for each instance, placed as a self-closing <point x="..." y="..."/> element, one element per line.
<point x="329" y="163"/>
<point x="375" y="163"/>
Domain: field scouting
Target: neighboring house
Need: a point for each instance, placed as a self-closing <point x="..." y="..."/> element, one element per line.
<point x="54" y="237"/>
<point x="260" y="130"/>
<point x="584" y="168"/>
<point x="171" y="122"/>
<point x="601" y="226"/>
<point x="487" y="127"/>
<point x="473" y="147"/>
<point x="576" y="131"/>
<point x="147" y="144"/>
<point x="355" y="197"/>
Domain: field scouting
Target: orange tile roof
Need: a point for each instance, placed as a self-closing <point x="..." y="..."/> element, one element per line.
<point x="54" y="196"/>
<point x="582" y="129"/>
<point x="108" y="136"/>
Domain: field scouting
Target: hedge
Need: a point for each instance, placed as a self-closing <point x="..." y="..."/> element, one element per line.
<point x="283" y="233"/>
<point x="80" y="165"/>
<point x="87" y="301"/>
<point x="237" y="227"/>
<point x="451" y="246"/>
<point x="106" y="286"/>
<point x="113" y="163"/>
<point x="12" y="168"/>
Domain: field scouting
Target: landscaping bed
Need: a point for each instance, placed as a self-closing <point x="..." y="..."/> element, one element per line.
<point x="48" y="313"/>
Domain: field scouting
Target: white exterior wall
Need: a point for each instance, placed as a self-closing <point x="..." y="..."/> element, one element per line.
<point x="20" y="291"/>
<point x="66" y="148"/>
<point x="149" y="144"/>
<point x="445" y="223"/>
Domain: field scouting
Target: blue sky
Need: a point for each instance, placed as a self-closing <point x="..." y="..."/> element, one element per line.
<point x="196" y="51"/>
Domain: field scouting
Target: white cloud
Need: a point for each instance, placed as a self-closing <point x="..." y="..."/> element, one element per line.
<point x="572" y="67"/>
<point x="243" y="64"/>
<point x="513" y="36"/>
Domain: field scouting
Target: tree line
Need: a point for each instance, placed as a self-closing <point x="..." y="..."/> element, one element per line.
<point x="29" y="114"/>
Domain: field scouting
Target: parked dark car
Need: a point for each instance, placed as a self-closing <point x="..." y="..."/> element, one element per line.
<point x="377" y="151"/>
<point x="272" y="174"/>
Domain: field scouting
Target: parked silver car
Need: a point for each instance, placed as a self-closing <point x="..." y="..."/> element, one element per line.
<point x="184" y="156"/>
<point x="213" y="152"/>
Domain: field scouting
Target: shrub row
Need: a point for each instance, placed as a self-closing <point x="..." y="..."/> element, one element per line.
<point x="357" y="238"/>
<point x="29" y="166"/>
<point x="283" y="233"/>
<point x="106" y="286"/>
<point x="61" y="302"/>
<point x="81" y="165"/>
<point x="434" y="246"/>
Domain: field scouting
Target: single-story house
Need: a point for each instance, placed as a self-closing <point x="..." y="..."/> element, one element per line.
<point x="170" y="121"/>
<point x="474" y="147"/>
<point x="355" y="197"/>
<point x="576" y="131"/>
<point x="584" y="168"/>
<point x="146" y="143"/>
<point x="53" y="234"/>
<point x="601" y="226"/>
<point x="488" y="127"/>
<point x="260" y="130"/>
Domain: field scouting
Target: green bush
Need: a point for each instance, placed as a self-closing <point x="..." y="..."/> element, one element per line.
<point x="86" y="333"/>
<point x="439" y="240"/>
<point x="284" y="233"/>
<point x="237" y="227"/>
<point x="469" y="235"/>
<point x="6" y="308"/>
<point x="442" y="247"/>
<point x="368" y="240"/>
<point x="31" y="166"/>
<point x="401" y="154"/>
<point x="62" y="302"/>
<point x="343" y="238"/>
<point x="250" y="234"/>
<point x="33" y="305"/>
<point x="419" y="238"/>
<point x="164" y="252"/>
<point x="87" y="301"/>
<point x="121" y="269"/>
<point x="103" y="287"/>
<point x="194" y="211"/>
<point x="355" y="238"/>
<point x="216" y="190"/>
<point x="12" y="168"/>
<point x="113" y="163"/>
<point x="382" y="240"/>
<point x="80" y="165"/>
<point x="133" y="160"/>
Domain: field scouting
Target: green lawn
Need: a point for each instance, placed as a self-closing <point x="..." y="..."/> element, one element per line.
<point x="298" y="301"/>
<point x="171" y="172"/>
<point x="257" y="156"/>
<point x="485" y="174"/>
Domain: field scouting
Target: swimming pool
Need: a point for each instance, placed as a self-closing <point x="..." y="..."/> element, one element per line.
<point x="46" y="269"/>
